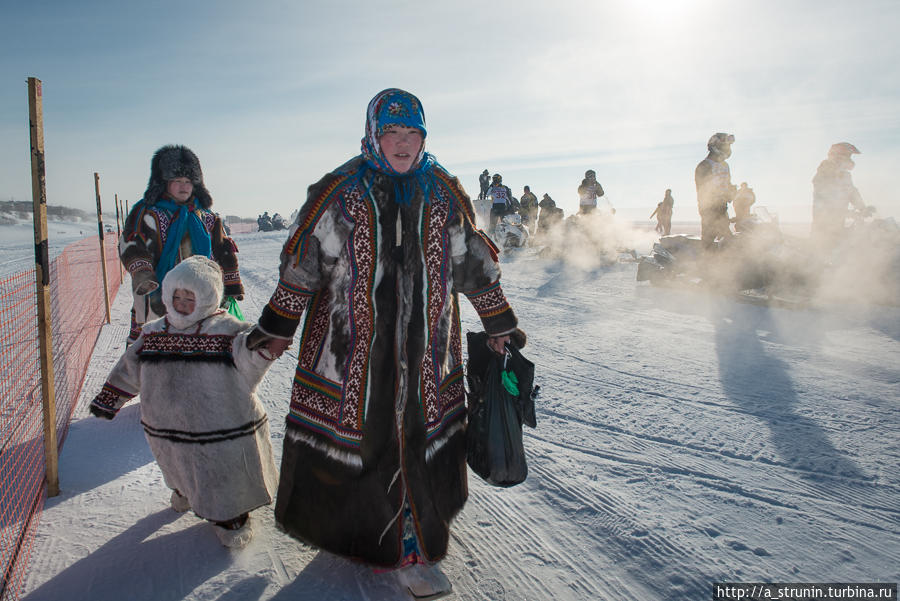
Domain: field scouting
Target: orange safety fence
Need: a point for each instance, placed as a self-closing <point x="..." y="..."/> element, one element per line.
<point x="78" y="310"/>
<point x="242" y="228"/>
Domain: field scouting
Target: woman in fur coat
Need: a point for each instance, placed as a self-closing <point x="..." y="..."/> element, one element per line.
<point x="374" y="460"/>
<point x="172" y="222"/>
<point x="197" y="379"/>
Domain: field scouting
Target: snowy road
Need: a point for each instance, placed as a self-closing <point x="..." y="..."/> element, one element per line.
<point x="683" y="439"/>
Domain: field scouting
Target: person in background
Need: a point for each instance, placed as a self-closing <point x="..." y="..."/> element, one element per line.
<point x="550" y="214"/>
<point x="743" y="200"/>
<point x="501" y="200"/>
<point x="588" y="193"/>
<point x="834" y="193"/>
<point x="714" y="190"/>
<point x="663" y="214"/>
<point x="264" y="222"/>
<point x="484" y="180"/>
<point x="528" y="208"/>
<point x="374" y="459"/>
<point x="171" y="222"/>
<point x="204" y="423"/>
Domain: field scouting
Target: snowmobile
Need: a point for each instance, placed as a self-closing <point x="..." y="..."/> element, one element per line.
<point x="278" y="222"/>
<point x="864" y="263"/>
<point x="758" y="265"/>
<point x="511" y="232"/>
<point x="264" y="223"/>
<point x="595" y="239"/>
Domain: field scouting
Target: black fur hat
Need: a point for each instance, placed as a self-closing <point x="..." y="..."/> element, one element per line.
<point x="174" y="161"/>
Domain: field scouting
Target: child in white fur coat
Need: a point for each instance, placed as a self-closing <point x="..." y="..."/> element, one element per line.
<point x="197" y="379"/>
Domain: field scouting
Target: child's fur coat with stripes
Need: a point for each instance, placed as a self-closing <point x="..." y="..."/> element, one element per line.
<point x="197" y="383"/>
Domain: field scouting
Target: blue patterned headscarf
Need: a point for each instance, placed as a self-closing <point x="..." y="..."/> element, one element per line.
<point x="391" y="107"/>
<point x="397" y="107"/>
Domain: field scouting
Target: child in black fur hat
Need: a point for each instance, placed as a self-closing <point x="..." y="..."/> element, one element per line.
<point x="173" y="221"/>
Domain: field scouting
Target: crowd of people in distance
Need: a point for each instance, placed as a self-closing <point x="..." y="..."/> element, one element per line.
<point x="496" y="201"/>
<point x="724" y="209"/>
<point x="835" y="198"/>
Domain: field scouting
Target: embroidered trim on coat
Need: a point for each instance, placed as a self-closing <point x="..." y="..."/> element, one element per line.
<point x="490" y="301"/>
<point x="163" y="220"/>
<point x="297" y="244"/>
<point x="163" y="345"/>
<point x="363" y="258"/>
<point x="289" y="301"/>
<point x="231" y="277"/>
<point x="109" y="397"/>
<point x="316" y="405"/>
<point x="436" y="251"/>
<point x="139" y="265"/>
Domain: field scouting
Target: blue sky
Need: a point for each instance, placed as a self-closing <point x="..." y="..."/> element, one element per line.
<point x="271" y="95"/>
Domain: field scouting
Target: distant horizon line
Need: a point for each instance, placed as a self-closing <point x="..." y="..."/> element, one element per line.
<point x="643" y="222"/>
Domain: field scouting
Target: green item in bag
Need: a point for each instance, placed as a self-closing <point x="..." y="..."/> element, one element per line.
<point x="234" y="308"/>
<point x="510" y="381"/>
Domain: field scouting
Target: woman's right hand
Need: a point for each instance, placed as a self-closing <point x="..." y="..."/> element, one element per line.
<point x="498" y="343"/>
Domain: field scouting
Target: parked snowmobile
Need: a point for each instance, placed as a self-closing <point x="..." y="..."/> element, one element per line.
<point x="759" y="264"/>
<point x="511" y="232"/>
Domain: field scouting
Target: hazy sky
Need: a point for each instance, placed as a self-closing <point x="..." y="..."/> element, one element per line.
<point x="271" y="95"/>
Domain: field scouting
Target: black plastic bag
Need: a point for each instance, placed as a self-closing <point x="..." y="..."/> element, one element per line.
<point x="496" y="413"/>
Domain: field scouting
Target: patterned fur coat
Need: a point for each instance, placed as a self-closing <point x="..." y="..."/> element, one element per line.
<point x="140" y="246"/>
<point x="377" y="412"/>
<point x="205" y="425"/>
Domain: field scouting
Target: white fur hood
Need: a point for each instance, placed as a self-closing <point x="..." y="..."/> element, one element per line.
<point x="201" y="276"/>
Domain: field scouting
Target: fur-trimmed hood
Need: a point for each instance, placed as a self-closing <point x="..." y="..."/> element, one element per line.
<point x="201" y="276"/>
<point x="174" y="161"/>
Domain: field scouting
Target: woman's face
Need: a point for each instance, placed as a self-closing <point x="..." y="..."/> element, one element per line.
<point x="401" y="146"/>
<point x="179" y="189"/>
<point x="183" y="301"/>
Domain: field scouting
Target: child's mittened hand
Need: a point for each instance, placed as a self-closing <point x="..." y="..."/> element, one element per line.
<point x="145" y="287"/>
<point x="100" y="412"/>
<point x="257" y="338"/>
<point x="277" y="346"/>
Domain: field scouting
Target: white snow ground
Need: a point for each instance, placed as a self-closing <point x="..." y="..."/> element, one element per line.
<point x="682" y="439"/>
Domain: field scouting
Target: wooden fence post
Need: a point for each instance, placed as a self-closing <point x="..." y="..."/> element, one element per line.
<point x="118" y="236"/>
<point x="42" y="279"/>
<point x="102" y="247"/>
